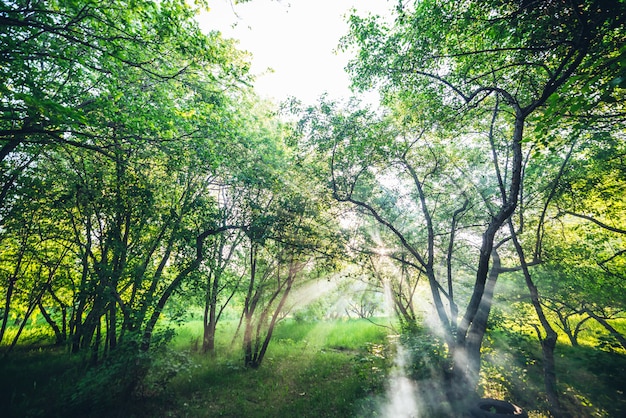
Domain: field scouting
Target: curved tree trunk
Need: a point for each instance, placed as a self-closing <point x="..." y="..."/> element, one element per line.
<point x="548" y="342"/>
<point x="58" y="334"/>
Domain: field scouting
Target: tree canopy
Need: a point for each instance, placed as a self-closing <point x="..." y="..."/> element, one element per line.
<point x="138" y="168"/>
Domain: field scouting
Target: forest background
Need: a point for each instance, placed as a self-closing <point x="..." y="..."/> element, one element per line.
<point x="145" y="185"/>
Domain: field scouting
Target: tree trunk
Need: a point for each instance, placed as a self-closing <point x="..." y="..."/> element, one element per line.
<point x="76" y="322"/>
<point x="112" y="328"/>
<point x="58" y="335"/>
<point x="210" y="311"/>
<point x="7" y="306"/>
<point x="270" y="330"/>
<point x="95" y="348"/>
<point x="509" y="204"/>
<point x="210" y="325"/>
<point x="548" y="342"/>
<point x="63" y="308"/>
<point x="478" y="328"/>
<point x="549" y="369"/>
<point x="169" y="290"/>
<point x="92" y="322"/>
<point x="247" y="342"/>
<point x="29" y="312"/>
<point x="147" y="334"/>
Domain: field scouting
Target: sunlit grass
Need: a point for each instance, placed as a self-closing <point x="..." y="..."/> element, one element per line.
<point x="311" y="369"/>
<point x="36" y="334"/>
<point x="346" y="334"/>
<point x="320" y="368"/>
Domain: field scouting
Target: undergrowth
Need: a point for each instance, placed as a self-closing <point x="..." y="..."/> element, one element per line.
<point x="312" y="369"/>
<point x="590" y="380"/>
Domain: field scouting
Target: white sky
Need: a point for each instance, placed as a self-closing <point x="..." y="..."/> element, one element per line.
<point x="297" y="39"/>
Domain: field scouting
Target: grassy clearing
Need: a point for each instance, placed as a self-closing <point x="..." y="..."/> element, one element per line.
<point x="325" y="369"/>
<point x="321" y="369"/>
<point x="312" y="369"/>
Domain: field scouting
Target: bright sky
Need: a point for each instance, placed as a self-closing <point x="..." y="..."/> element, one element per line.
<point x="297" y="39"/>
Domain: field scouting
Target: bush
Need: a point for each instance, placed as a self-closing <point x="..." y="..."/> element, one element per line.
<point x="127" y="374"/>
<point x="165" y="365"/>
<point x="427" y="353"/>
<point x="110" y="383"/>
<point x="372" y="366"/>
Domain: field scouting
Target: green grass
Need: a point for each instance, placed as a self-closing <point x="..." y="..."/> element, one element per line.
<point x="590" y="381"/>
<point x="303" y="384"/>
<point x="325" y="369"/>
<point x="349" y="334"/>
<point x="312" y="369"/>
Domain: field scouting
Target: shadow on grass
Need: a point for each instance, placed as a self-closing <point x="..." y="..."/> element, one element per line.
<point x="590" y="380"/>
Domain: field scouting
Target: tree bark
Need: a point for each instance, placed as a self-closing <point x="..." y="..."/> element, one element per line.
<point x="478" y="328"/>
<point x="548" y="342"/>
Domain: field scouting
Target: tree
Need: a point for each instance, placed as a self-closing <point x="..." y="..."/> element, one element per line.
<point x="459" y="73"/>
<point x="224" y="269"/>
<point x="384" y="270"/>
<point x="288" y="237"/>
<point x="36" y="257"/>
<point x="585" y="276"/>
<point x="63" y="61"/>
<point x="124" y="112"/>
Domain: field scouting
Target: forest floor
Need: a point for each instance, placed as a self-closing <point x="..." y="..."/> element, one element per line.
<point x="313" y="369"/>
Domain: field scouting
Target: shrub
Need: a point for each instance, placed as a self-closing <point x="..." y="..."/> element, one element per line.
<point x="372" y="366"/>
<point x="127" y="374"/>
<point x="427" y="353"/>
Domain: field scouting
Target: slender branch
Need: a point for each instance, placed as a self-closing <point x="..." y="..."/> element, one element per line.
<point x="539" y="233"/>
<point x="595" y="221"/>
<point x="617" y="254"/>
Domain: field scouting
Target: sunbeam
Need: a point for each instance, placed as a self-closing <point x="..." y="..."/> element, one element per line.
<point x="401" y="390"/>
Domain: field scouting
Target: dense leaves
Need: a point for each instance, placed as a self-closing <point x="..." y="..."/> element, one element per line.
<point x="118" y="123"/>
<point x="140" y="175"/>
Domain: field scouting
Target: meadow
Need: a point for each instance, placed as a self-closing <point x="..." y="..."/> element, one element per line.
<point x="331" y="368"/>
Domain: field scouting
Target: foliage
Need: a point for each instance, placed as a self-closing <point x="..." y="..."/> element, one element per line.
<point x="140" y="175"/>
<point x="120" y="374"/>
<point x="427" y="354"/>
<point x="451" y="161"/>
<point x="372" y="367"/>
<point x="128" y="375"/>
<point x="114" y="125"/>
<point x="587" y="375"/>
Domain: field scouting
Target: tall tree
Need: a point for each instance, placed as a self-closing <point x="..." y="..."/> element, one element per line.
<point x="125" y="110"/>
<point x="466" y="72"/>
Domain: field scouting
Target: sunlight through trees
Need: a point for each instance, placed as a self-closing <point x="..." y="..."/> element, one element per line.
<point x="475" y="217"/>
